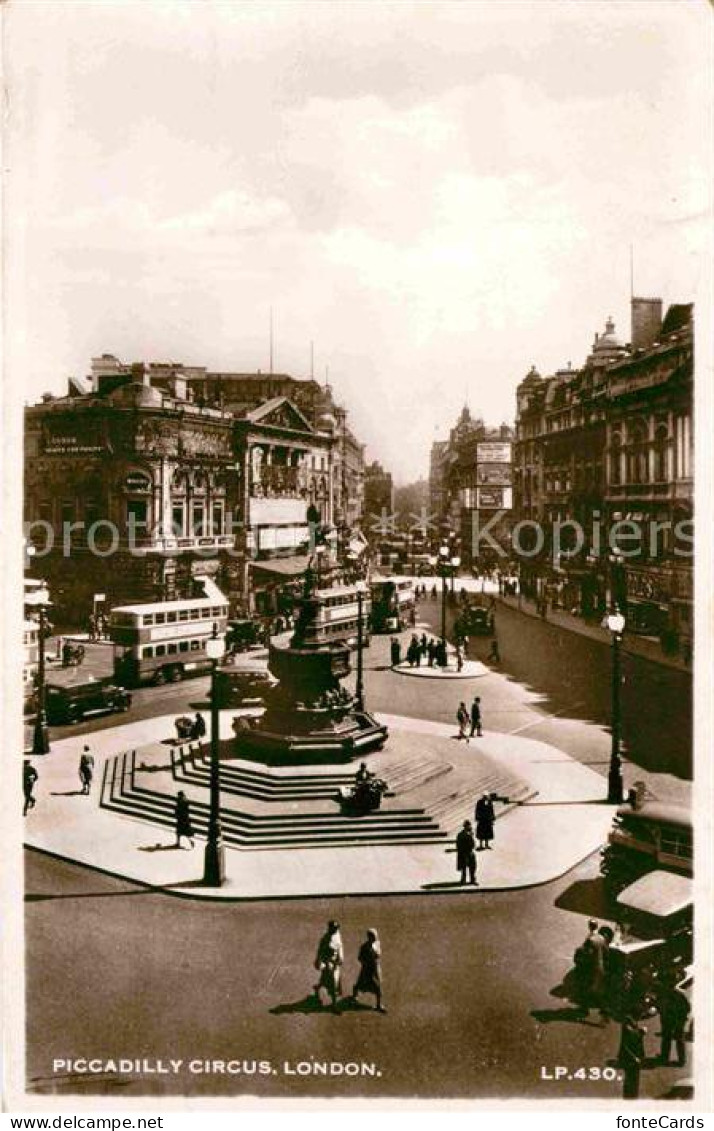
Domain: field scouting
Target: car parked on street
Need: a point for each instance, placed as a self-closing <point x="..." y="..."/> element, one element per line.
<point x="69" y="704"/>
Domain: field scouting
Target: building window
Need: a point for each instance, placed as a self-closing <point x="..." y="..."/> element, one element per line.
<point x="136" y="512"/>
<point x="660" y="454"/>
<point x="637" y="454"/>
<point x="616" y="460"/>
<point x="178" y="519"/>
<point x="218" y="512"/>
<point x="198" y="516"/>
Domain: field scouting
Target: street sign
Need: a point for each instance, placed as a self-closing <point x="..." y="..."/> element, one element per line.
<point x="99" y="597"/>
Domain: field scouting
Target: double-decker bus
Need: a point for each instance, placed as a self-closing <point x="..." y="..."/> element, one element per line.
<point x="165" y="641"/>
<point x="331" y="616"/>
<point x="393" y="602"/>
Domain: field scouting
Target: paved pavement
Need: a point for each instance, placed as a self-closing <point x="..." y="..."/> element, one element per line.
<point x="647" y="647"/>
<point x="565" y="821"/>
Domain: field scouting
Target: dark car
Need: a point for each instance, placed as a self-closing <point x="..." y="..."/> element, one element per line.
<point x="71" y="703"/>
<point x="242" y="635"/>
<point x="241" y="687"/>
<point x="476" y="621"/>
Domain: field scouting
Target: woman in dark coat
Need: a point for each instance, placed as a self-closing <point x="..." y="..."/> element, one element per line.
<point x="183" y="819"/>
<point x="485" y="818"/>
<point x="369" y="979"/>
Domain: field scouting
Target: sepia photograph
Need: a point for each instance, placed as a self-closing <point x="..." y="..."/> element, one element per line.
<point x="349" y="587"/>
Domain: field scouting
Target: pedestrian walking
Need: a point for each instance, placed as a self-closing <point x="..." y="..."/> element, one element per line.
<point x="440" y="654"/>
<point x="183" y="819"/>
<point x="92" y="627"/>
<point x="494" y="656"/>
<point x="485" y="818"/>
<point x="413" y="653"/>
<point x="466" y="853"/>
<point x="462" y="718"/>
<point x="630" y="1057"/>
<point x="673" y="1008"/>
<point x="86" y="769"/>
<point x="369" y="979"/>
<point x="395" y="651"/>
<point x="29" y="777"/>
<point x="431" y="652"/>
<point x="423" y="644"/>
<point x="198" y="730"/>
<point x="476" y="717"/>
<point x="329" y="961"/>
<point x="459" y="658"/>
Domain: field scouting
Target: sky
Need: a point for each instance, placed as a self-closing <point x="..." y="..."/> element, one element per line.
<point x="438" y="195"/>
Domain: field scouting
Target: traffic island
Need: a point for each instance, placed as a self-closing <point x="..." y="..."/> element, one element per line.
<point x="471" y="669"/>
<point x="285" y="834"/>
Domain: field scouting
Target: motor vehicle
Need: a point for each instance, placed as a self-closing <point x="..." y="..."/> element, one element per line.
<point x="165" y="641"/>
<point x="242" y="635"/>
<point x="70" y="703"/>
<point x="475" y="620"/>
<point x="657" y="944"/>
<point x="242" y="687"/>
<point x="653" y="835"/>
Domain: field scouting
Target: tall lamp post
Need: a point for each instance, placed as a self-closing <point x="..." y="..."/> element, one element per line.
<point x="40" y="735"/>
<point x="214" y="867"/>
<point x="359" y="688"/>
<point x="616" y="625"/>
<point x="445" y="566"/>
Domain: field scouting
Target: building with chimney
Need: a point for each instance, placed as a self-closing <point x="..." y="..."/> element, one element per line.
<point x="607" y="444"/>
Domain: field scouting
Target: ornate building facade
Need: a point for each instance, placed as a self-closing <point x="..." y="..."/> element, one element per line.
<point x="136" y="485"/>
<point x="609" y="447"/>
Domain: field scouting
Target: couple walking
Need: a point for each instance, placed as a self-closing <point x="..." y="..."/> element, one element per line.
<point x="330" y="960"/>
<point x="464" y="717"/>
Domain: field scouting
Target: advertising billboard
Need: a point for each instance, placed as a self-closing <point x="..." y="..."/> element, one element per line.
<point x="493" y="474"/>
<point x="494" y="498"/>
<point x="493" y="451"/>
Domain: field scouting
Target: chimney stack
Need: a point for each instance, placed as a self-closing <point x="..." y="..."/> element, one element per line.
<point x="646" y="322"/>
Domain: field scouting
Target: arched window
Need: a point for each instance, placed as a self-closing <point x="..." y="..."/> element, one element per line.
<point x="637" y="453"/>
<point x="661" y="444"/>
<point x="616" y="459"/>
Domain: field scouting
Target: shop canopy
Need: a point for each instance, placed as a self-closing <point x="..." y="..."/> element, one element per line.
<point x="283" y="567"/>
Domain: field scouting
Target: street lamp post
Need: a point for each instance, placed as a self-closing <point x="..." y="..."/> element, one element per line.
<point x="40" y="736"/>
<point x="359" y="688"/>
<point x="616" y="625"/>
<point x="214" y="868"/>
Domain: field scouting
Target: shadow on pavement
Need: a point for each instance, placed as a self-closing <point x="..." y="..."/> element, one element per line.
<point x="587" y="897"/>
<point x="309" y="1004"/>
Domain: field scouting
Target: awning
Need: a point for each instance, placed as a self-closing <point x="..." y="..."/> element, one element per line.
<point x="283" y="567"/>
<point x="658" y="893"/>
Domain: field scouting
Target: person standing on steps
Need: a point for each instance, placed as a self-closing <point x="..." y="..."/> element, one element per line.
<point x="183" y="819"/>
<point x="466" y="853"/>
<point x="198" y="730"/>
<point x="476" y="717"/>
<point x="369" y="979"/>
<point x="485" y="817"/>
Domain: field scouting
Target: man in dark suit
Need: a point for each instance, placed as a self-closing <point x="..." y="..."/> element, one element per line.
<point x="466" y="853"/>
<point x="476" y="717"/>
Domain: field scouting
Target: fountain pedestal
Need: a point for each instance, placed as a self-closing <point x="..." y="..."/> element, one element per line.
<point x="309" y="716"/>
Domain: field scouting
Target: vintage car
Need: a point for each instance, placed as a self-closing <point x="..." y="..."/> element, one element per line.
<point x="70" y="703"/>
<point x="242" y="686"/>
